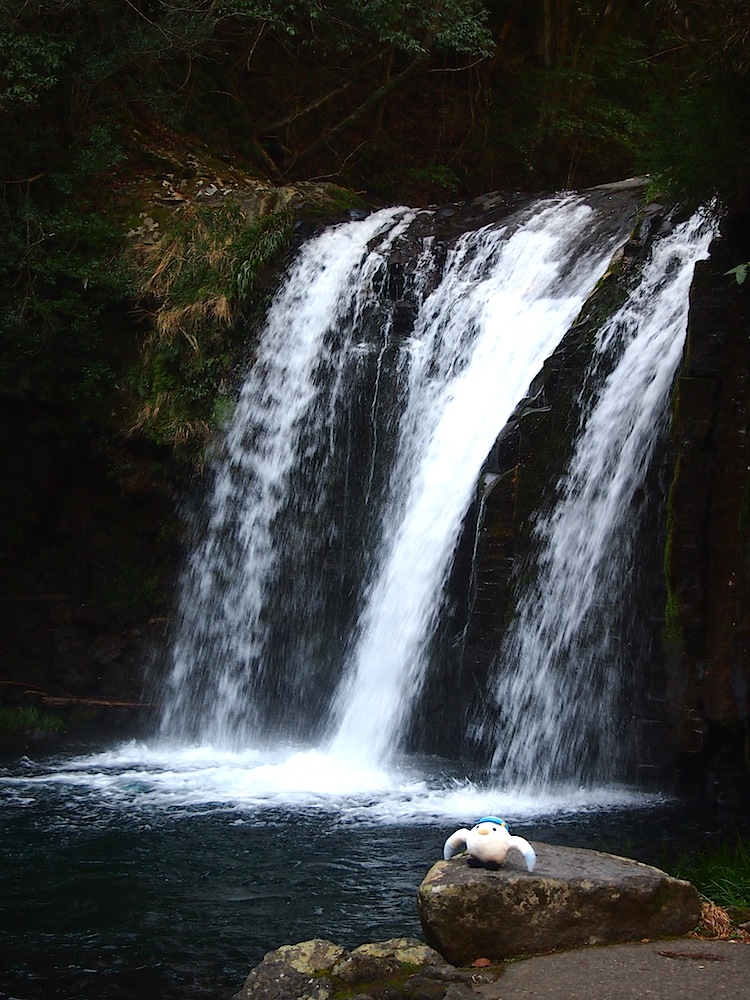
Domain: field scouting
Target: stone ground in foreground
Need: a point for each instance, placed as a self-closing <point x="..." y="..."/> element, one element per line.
<point x="681" y="969"/>
<point x="405" y="969"/>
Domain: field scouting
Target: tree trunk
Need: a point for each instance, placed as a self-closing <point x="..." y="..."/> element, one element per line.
<point x="372" y="102"/>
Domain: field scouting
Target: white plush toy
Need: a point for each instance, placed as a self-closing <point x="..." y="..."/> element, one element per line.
<point x="488" y="842"/>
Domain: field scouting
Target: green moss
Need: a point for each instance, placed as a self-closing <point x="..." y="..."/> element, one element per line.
<point x="377" y="987"/>
<point x="27" y="719"/>
<point x="333" y="201"/>
<point x="673" y="632"/>
<point x="439" y="177"/>
<point x="607" y="296"/>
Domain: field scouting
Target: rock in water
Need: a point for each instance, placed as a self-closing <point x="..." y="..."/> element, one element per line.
<point x="574" y="897"/>
<point x="321" y="970"/>
<point x="293" y="972"/>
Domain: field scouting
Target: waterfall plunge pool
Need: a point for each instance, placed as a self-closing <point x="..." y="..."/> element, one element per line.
<point x="165" y="872"/>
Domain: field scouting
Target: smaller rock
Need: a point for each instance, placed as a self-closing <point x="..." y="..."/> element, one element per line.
<point x="397" y="969"/>
<point x="294" y="972"/>
<point x="740" y="916"/>
<point x="359" y="968"/>
<point x="407" y="951"/>
<point x="107" y="648"/>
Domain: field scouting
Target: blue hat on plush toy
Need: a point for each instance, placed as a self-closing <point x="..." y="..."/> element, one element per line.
<point x="492" y="819"/>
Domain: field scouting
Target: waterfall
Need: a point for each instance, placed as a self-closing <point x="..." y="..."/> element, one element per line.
<point x="504" y="302"/>
<point x="234" y="582"/>
<point x="562" y="689"/>
<point x="378" y="388"/>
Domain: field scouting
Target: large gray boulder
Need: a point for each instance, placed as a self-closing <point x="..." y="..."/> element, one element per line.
<point x="574" y="897"/>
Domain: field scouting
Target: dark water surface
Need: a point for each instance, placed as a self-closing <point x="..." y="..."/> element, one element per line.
<point x="108" y="890"/>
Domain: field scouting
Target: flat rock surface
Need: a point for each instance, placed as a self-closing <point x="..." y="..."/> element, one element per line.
<point x="574" y="897"/>
<point x="660" y="970"/>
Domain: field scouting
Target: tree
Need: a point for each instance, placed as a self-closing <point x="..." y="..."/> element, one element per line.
<point x="697" y="136"/>
<point x="341" y="61"/>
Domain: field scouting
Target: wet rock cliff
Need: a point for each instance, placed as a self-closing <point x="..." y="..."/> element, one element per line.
<point x="688" y="607"/>
<point x="707" y="555"/>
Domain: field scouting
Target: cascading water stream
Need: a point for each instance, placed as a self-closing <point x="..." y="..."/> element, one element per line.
<point x="504" y="302"/>
<point x="308" y="606"/>
<point x="220" y="657"/>
<point x="560" y="694"/>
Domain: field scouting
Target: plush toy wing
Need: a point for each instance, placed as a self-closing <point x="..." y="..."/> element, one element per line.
<point x="456" y="842"/>
<point x="529" y="854"/>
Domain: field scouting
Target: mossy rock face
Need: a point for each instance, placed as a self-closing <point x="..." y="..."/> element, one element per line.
<point x="384" y="970"/>
<point x="574" y="897"/>
<point x="294" y="971"/>
<point x="739" y="914"/>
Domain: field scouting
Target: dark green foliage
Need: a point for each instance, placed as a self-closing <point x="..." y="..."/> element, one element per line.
<point x="697" y="133"/>
<point x="203" y="269"/>
<point x="561" y="98"/>
<point x="403" y="100"/>
<point x="349" y="25"/>
<point x="60" y="280"/>
<point x="27" y="719"/>
<point x="29" y="66"/>
<point x="721" y="874"/>
<point x="564" y="102"/>
<point x="69" y="74"/>
<point x="697" y="142"/>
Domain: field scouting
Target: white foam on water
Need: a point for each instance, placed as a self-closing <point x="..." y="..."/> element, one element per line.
<point x="162" y="777"/>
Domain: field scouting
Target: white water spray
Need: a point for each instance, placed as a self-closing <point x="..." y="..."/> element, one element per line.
<point x="227" y="594"/>
<point x="348" y="421"/>
<point x="560" y="695"/>
<point x="505" y="301"/>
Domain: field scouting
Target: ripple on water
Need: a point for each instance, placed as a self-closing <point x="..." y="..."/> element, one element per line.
<point x="163" y="872"/>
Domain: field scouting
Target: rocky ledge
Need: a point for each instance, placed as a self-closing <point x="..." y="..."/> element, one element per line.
<point x="574" y="897"/>
<point x="476" y="918"/>
<point x="388" y="970"/>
